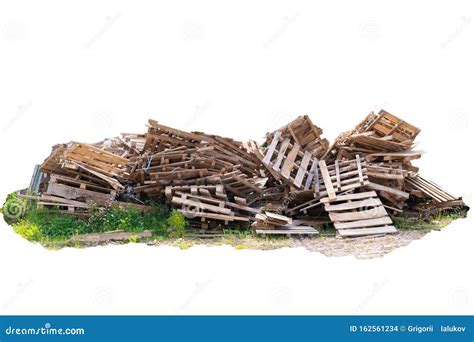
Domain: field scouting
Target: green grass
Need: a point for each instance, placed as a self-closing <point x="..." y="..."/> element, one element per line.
<point x="436" y="222"/>
<point x="48" y="226"/>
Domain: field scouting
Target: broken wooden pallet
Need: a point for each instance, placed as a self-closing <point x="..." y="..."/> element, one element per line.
<point x="290" y="163"/>
<point x="240" y="185"/>
<point x="388" y="125"/>
<point x="359" y="214"/>
<point x="204" y="209"/>
<point x="96" y="158"/>
<point x="340" y="177"/>
<point x="303" y="132"/>
<point x="269" y="220"/>
<point x="59" y="187"/>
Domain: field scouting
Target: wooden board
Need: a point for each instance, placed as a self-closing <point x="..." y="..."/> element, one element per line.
<point x="367" y="231"/>
<point x="289" y="230"/>
<point x="290" y="161"/>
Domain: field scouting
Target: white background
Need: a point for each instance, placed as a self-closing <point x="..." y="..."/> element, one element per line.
<point x="88" y="70"/>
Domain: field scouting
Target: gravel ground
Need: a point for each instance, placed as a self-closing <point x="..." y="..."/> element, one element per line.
<point x="361" y="248"/>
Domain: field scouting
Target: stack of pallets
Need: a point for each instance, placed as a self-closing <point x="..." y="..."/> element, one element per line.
<point x="290" y="184"/>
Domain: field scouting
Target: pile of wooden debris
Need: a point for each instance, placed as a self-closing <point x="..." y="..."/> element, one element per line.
<point x="293" y="183"/>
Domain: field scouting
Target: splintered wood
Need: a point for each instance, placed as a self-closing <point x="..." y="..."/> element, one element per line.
<point x="290" y="184"/>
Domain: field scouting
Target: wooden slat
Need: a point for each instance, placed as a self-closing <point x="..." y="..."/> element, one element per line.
<point x="290" y="161"/>
<point x="338" y="176"/>
<point x="367" y="231"/>
<point x="302" y="170"/>
<point x="277" y="217"/>
<point x="358" y="215"/>
<point x="312" y="172"/>
<point x="370" y="202"/>
<point x="349" y="197"/>
<point x="359" y="169"/>
<point x="281" y="154"/>
<point x="271" y="148"/>
<point x="396" y="192"/>
<point x="287" y="231"/>
<point x="213" y="216"/>
<point x="364" y="223"/>
<point x="327" y="180"/>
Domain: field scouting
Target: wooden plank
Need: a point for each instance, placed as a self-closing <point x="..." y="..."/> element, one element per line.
<point x="312" y="171"/>
<point x="359" y="169"/>
<point x="338" y="176"/>
<point x="302" y="170"/>
<point x="436" y="186"/>
<point x="290" y="161"/>
<point x="370" y="202"/>
<point x="350" y="197"/>
<point x="327" y="180"/>
<point x="70" y="192"/>
<point x="358" y="215"/>
<point x="277" y="217"/>
<point x="364" y="223"/>
<point x="110" y="236"/>
<point x="396" y="192"/>
<point x="382" y="175"/>
<point x="281" y="154"/>
<point x="316" y="177"/>
<point x="286" y="231"/>
<point x="271" y="148"/>
<point x="367" y="231"/>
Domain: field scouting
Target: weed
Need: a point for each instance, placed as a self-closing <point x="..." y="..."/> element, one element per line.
<point x="177" y="224"/>
<point x="240" y="247"/>
<point x="27" y="230"/>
